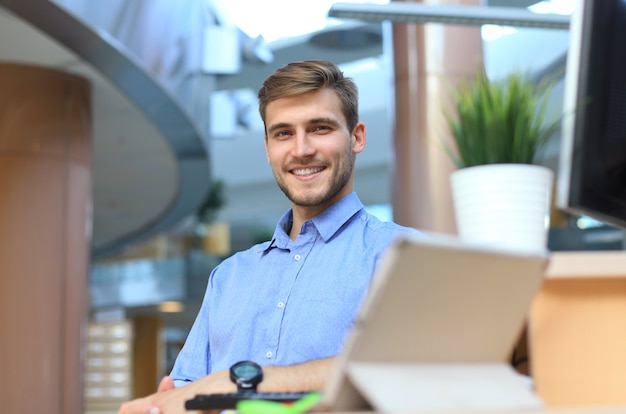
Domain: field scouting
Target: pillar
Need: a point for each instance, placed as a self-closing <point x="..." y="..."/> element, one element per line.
<point x="429" y="59"/>
<point x="148" y="354"/>
<point x="45" y="197"/>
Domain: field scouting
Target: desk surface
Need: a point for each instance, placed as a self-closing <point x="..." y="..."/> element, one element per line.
<point x="585" y="264"/>
<point x="548" y="410"/>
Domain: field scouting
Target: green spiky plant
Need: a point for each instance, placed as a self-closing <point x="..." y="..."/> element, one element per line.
<point x="499" y="121"/>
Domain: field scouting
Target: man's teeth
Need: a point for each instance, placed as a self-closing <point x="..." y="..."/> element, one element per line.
<point x="307" y="171"/>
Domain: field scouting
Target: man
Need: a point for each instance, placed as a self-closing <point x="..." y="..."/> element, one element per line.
<point x="287" y="304"/>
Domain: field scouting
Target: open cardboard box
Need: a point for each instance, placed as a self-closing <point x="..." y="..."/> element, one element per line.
<point x="437" y="329"/>
<point x="577" y="330"/>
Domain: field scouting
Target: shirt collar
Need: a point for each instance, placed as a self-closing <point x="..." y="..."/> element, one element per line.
<point x="335" y="216"/>
<point x="327" y="223"/>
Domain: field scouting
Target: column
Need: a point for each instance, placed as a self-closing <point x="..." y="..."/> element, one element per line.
<point x="428" y="61"/>
<point x="148" y="355"/>
<point x="45" y="201"/>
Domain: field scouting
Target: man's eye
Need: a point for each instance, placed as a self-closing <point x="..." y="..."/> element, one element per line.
<point x="322" y="128"/>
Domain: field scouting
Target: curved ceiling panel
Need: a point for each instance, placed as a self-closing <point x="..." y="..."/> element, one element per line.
<point x="151" y="168"/>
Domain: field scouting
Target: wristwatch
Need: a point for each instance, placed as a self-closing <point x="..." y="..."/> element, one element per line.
<point x="247" y="375"/>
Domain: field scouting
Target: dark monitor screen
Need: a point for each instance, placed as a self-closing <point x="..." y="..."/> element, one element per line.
<point x="592" y="167"/>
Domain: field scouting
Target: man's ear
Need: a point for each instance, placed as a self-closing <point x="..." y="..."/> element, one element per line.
<point x="359" y="136"/>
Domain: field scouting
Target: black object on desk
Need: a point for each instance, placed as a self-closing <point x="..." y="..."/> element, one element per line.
<point x="230" y="400"/>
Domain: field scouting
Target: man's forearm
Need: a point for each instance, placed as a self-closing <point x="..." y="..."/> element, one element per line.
<point x="307" y="376"/>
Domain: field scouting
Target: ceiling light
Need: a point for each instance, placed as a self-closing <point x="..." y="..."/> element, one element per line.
<point x="418" y="13"/>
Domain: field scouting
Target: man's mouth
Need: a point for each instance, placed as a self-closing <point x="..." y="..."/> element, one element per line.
<point x="303" y="172"/>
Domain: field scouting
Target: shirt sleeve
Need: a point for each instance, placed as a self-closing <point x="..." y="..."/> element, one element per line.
<point x="193" y="360"/>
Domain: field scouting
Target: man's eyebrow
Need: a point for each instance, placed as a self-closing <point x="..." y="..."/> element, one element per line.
<point x="279" y="125"/>
<point x="324" y="121"/>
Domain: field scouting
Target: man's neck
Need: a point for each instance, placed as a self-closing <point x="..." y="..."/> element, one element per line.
<point x="302" y="214"/>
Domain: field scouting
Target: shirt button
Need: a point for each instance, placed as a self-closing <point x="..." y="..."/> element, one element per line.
<point x="297" y="257"/>
<point x="268" y="354"/>
<point x="281" y="305"/>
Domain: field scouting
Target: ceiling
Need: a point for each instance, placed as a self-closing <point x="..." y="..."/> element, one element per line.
<point x="144" y="169"/>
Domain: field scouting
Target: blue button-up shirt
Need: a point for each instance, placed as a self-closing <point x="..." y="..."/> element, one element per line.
<point x="284" y="302"/>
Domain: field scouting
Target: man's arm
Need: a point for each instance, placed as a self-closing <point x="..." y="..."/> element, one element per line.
<point x="308" y="376"/>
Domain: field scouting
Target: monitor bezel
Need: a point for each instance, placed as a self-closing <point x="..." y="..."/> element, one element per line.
<point x="581" y="188"/>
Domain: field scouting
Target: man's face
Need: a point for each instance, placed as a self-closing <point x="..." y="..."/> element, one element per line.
<point x="310" y="149"/>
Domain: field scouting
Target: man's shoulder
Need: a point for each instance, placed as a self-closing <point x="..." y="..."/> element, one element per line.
<point x="245" y="256"/>
<point x="389" y="227"/>
<point x="376" y="234"/>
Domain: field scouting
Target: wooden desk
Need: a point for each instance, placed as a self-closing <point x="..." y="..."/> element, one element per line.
<point x="549" y="410"/>
<point x="577" y="330"/>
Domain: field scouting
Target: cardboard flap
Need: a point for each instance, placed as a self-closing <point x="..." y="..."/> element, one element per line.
<point x="436" y="330"/>
<point x="437" y="387"/>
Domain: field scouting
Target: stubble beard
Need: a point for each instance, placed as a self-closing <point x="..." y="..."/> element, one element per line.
<point x="310" y="198"/>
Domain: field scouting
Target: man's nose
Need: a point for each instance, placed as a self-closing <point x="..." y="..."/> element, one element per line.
<point x="302" y="145"/>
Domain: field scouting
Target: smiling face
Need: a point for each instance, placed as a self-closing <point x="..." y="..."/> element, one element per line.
<point x="310" y="149"/>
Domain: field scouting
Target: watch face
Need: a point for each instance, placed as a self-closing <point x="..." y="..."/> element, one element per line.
<point x="246" y="370"/>
<point x="246" y="374"/>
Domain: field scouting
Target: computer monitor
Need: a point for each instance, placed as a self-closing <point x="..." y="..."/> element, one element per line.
<point x="592" y="166"/>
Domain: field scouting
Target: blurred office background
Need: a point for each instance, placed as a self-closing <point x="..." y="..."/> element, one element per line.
<point x="174" y="171"/>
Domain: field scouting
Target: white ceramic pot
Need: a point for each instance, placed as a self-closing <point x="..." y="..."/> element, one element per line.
<point x="507" y="205"/>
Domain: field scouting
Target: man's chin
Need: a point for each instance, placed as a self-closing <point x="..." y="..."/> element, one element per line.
<point x="308" y="200"/>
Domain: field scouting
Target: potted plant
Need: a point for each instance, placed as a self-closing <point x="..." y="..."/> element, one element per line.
<point x="498" y="129"/>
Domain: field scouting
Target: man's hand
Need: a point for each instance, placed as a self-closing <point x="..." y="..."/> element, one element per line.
<point x="171" y="400"/>
<point x="143" y="405"/>
<point x="166" y="384"/>
<point x="308" y="376"/>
